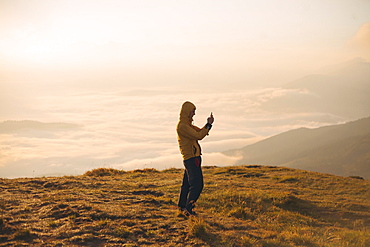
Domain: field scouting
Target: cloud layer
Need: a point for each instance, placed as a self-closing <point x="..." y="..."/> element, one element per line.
<point x="136" y="128"/>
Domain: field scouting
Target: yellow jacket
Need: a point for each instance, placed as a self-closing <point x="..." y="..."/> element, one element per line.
<point x="188" y="134"/>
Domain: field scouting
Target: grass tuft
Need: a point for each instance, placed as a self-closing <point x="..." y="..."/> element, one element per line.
<point x="146" y="170"/>
<point x="53" y="223"/>
<point x="198" y="228"/>
<point x="101" y="172"/>
<point x="22" y="234"/>
<point x="288" y="179"/>
<point x="121" y="232"/>
<point x="243" y="213"/>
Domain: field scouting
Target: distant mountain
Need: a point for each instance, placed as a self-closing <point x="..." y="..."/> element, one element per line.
<point x="341" y="90"/>
<point x="354" y="74"/>
<point x="339" y="149"/>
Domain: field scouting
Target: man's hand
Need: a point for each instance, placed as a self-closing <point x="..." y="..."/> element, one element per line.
<point x="210" y="119"/>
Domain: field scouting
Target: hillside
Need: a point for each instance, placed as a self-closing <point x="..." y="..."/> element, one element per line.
<point x="240" y="206"/>
<point x="338" y="149"/>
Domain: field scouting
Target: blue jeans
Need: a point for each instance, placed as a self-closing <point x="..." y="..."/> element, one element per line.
<point x="192" y="183"/>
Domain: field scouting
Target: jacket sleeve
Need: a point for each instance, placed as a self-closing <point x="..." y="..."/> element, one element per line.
<point x="191" y="133"/>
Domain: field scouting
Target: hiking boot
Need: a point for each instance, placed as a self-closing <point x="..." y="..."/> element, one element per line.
<point x="188" y="210"/>
<point x="188" y="213"/>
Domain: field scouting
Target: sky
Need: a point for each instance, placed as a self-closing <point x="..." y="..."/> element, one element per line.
<point x="166" y="42"/>
<point x="120" y="70"/>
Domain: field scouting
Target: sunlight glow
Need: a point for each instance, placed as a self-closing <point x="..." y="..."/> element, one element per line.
<point x="248" y="34"/>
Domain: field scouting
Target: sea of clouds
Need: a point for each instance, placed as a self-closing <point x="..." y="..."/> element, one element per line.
<point x="136" y="128"/>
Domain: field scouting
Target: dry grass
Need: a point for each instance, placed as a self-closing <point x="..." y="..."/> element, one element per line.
<point x="241" y="206"/>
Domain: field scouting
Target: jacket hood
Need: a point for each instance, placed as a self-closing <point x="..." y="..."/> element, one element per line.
<point x="186" y="108"/>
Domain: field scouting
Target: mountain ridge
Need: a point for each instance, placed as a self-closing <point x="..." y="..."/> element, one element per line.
<point x="304" y="148"/>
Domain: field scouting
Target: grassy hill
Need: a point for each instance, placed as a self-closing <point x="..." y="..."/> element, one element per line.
<point x="342" y="149"/>
<point x="240" y="206"/>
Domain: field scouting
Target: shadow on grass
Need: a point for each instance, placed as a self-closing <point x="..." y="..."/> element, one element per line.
<point x="327" y="214"/>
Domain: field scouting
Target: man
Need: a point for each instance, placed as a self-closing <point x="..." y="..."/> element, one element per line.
<point x="188" y="136"/>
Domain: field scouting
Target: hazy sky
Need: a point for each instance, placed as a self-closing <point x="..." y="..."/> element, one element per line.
<point x="120" y="70"/>
<point x="231" y="42"/>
